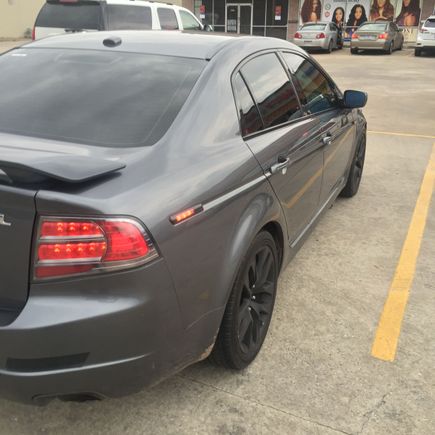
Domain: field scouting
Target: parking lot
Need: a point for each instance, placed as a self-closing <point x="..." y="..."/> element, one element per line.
<point x="316" y="372"/>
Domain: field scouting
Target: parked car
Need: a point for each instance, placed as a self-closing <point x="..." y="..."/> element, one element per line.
<point x="426" y="37"/>
<point x="378" y="35"/>
<point x="69" y="16"/>
<point x="324" y="36"/>
<point x="153" y="185"/>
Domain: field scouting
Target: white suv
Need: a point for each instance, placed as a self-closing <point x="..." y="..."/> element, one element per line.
<point x="426" y="36"/>
<point x="69" y="16"/>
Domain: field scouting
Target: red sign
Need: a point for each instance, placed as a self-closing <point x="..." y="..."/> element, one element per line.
<point x="202" y="9"/>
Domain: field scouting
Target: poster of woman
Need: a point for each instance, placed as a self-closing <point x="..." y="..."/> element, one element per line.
<point x="381" y="10"/>
<point x="357" y="14"/>
<point x="409" y="15"/>
<point x="311" y="11"/>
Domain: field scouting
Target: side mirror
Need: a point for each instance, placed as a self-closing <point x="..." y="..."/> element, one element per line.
<point x="354" y="99"/>
<point x="208" y="28"/>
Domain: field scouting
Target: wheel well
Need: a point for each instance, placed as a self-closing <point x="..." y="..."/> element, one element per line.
<point x="275" y="230"/>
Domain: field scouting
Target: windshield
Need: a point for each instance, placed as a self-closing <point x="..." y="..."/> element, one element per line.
<point x="94" y="97"/>
<point x="313" y="27"/>
<point x="373" y="27"/>
<point x="86" y="15"/>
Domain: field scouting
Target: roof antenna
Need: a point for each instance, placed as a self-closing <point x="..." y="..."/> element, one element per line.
<point x="112" y="41"/>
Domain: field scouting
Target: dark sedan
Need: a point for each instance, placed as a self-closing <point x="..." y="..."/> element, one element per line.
<point x="152" y="187"/>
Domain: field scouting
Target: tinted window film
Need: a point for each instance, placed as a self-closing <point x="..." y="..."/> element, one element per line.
<point x="189" y="22"/>
<point x="250" y="119"/>
<point x="272" y="89"/>
<point x="429" y="23"/>
<point x="95" y="97"/>
<point x="71" y="16"/>
<point x="314" y="90"/>
<point x="168" y="20"/>
<point x="129" y="17"/>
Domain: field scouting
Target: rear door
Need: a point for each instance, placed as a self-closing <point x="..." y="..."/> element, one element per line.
<point x="280" y="138"/>
<point x="332" y="126"/>
<point x="69" y="16"/>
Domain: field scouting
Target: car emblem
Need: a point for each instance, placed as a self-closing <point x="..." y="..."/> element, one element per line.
<point x="3" y="222"/>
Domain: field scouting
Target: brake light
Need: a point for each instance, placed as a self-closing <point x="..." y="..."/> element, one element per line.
<point x="355" y="36"/>
<point x="423" y="30"/>
<point x="321" y="36"/>
<point x="298" y="35"/>
<point x="383" y="36"/>
<point x="69" y="246"/>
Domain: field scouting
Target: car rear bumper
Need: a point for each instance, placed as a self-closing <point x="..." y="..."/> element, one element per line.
<point x="370" y="45"/>
<point x="425" y="43"/>
<point x="102" y="336"/>
<point x="312" y="43"/>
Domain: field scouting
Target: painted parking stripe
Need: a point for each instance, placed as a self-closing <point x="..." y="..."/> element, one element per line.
<point x="388" y="332"/>
<point x="391" y="133"/>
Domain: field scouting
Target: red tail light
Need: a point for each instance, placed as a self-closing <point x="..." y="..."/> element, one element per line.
<point x="72" y="246"/>
<point x="321" y="36"/>
<point x="298" y="35"/>
<point x="383" y="36"/>
<point x="354" y="36"/>
<point x="33" y="33"/>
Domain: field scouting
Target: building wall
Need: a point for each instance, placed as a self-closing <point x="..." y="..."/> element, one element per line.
<point x="16" y="16"/>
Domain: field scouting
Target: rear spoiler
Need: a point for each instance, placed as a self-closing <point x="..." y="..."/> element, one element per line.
<point x="34" y="166"/>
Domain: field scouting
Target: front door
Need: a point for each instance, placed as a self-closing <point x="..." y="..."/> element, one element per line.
<point x="239" y="19"/>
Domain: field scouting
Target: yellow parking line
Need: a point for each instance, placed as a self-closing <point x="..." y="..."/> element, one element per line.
<point x="391" y="133"/>
<point x="388" y="332"/>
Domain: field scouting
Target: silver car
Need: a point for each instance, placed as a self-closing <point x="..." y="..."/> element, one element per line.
<point x="377" y="36"/>
<point x="324" y="36"/>
<point x="426" y="36"/>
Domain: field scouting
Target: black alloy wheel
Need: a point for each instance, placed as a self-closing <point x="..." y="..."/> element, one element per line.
<point x="356" y="170"/>
<point x="250" y="306"/>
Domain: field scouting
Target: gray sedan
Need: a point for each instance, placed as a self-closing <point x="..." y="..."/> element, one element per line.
<point x="152" y="187"/>
<point x="382" y="35"/>
<point x="324" y="36"/>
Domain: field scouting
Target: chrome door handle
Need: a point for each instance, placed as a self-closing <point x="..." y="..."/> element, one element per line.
<point x="327" y="140"/>
<point x="280" y="166"/>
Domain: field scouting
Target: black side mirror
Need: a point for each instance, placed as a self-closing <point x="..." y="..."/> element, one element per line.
<point x="354" y="99"/>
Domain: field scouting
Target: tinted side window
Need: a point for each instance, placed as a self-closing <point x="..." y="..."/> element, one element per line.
<point x="189" y="22"/>
<point x="314" y="90"/>
<point x="71" y="16"/>
<point x="168" y="20"/>
<point x="250" y="119"/>
<point x="272" y="89"/>
<point x="129" y="17"/>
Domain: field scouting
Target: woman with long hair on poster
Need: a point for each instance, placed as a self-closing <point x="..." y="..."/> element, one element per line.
<point x="311" y="11"/>
<point x="410" y="13"/>
<point x="338" y="17"/>
<point x="357" y="17"/>
<point x="381" y="10"/>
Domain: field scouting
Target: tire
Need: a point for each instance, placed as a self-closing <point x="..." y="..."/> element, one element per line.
<point x="354" y="50"/>
<point x="329" y="49"/>
<point x="249" y="309"/>
<point x="401" y="46"/>
<point x="356" y="170"/>
<point x="417" y="52"/>
<point x="389" y="50"/>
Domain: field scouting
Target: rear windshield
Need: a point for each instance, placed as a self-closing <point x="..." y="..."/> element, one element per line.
<point x="373" y="27"/>
<point x="429" y="23"/>
<point x="94" y="97"/>
<point x="314" y="27"/>
<point x="122" y="17"/>
<point x="84" y="15"/>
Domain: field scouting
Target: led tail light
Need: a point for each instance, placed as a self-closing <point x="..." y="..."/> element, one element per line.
<point x="321" y="36"/>
<point x="298" y="35"/>
<point x="70" y="246"/>
<point x="383" y="36"/>
<point x="354" y="36"/>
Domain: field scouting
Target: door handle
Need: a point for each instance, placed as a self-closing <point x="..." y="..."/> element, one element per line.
<point x="327" y="140"/>
<point x="280" y="166"/>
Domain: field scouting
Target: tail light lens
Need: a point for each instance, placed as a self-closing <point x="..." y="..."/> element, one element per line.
<point x="321" y="36"/>
<point x="383" y="36"/>
<point x="66" y="247"/>
<point x="354" y="36"/>
<point x="298" y="35"/>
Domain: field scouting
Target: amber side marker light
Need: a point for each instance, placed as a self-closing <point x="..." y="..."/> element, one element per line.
<point x="185" y="214"/>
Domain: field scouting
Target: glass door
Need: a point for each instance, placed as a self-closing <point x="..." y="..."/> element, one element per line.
<point x="239" y="19"/>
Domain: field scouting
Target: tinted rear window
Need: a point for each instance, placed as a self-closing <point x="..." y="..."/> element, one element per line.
<point x="168" y="20"/>
<point x="94" y="97"/>
<point x="71" y="16"/>
<point x="373" y="27"/>
<point x="429" y="23"/>
<point x="129" y="17"/>
<point x="313" y="27"/>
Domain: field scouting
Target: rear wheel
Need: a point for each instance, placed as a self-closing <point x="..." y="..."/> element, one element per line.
<point x="249" y="309"/>
<point x="329" y="49"/>
<point x="389" y="50"/>
<point x="354" y="50"/>
<point x="356" y="170"/>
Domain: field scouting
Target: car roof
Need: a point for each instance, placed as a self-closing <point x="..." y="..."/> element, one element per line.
<point x="199" y="45"/>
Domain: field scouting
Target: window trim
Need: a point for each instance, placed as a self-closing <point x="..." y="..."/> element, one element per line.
<point x="237" y="70"/>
